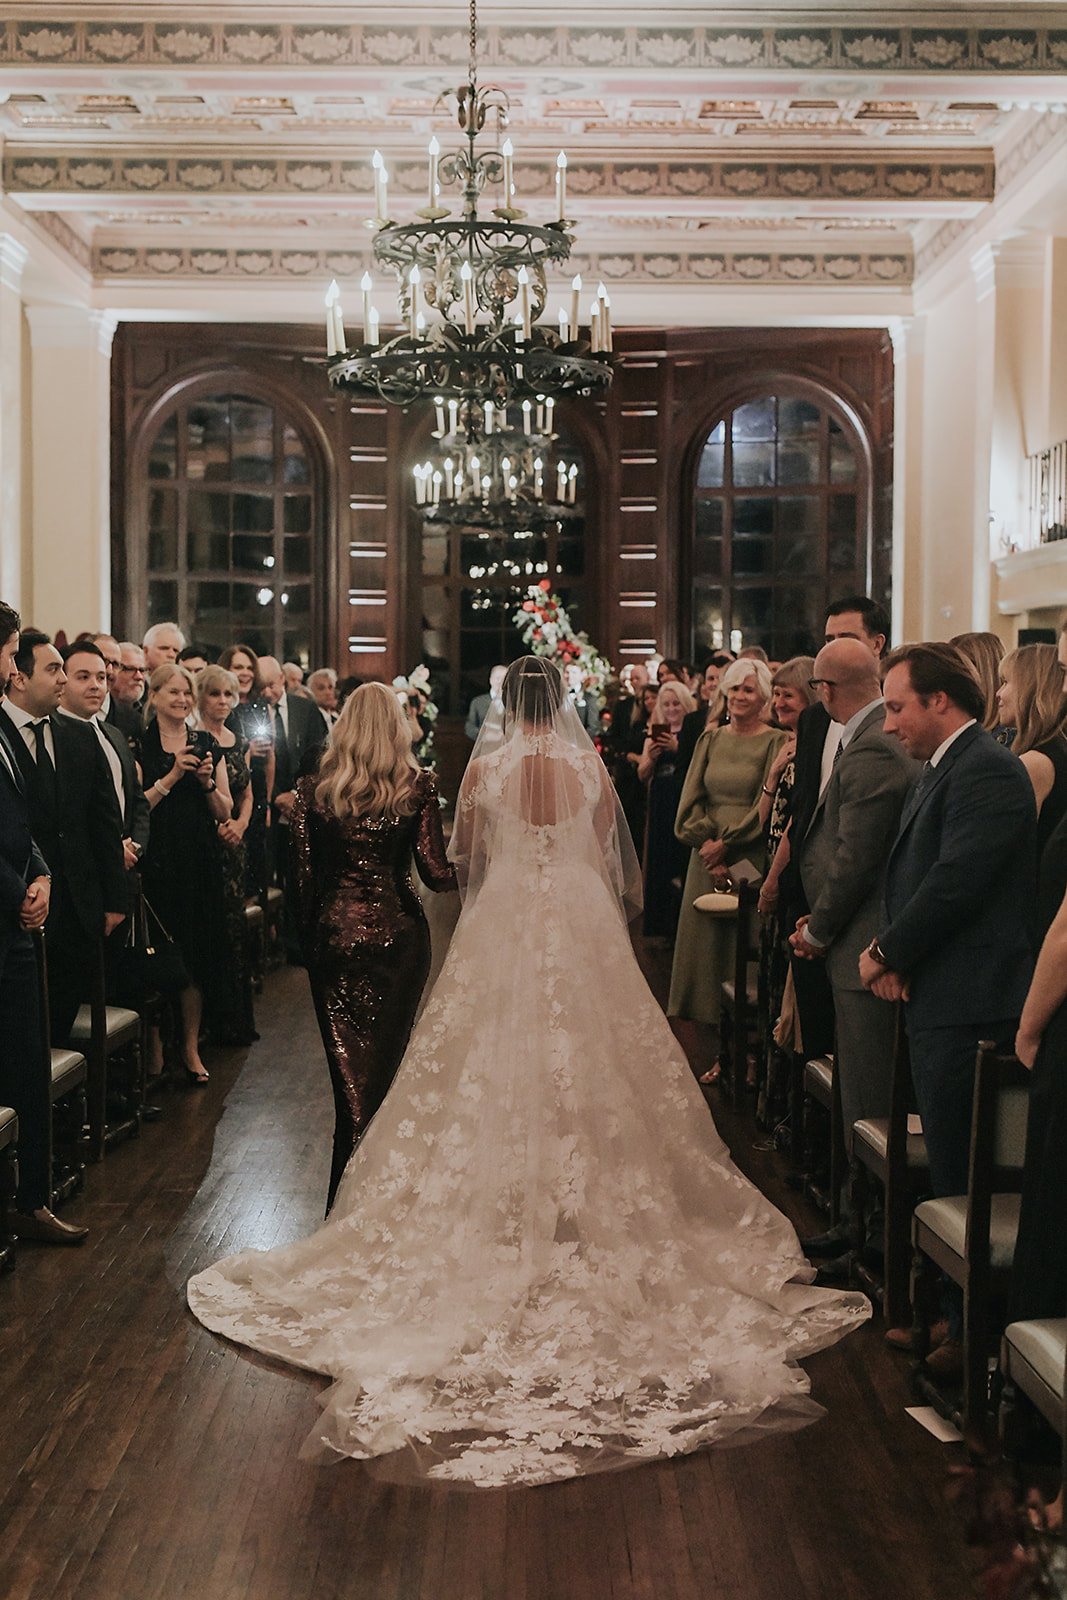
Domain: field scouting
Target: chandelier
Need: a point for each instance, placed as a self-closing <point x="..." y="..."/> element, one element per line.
<point x="496" y="470"/>
<point x="472" y="288"/>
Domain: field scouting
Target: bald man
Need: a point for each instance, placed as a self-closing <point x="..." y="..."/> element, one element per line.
<point x="842" y="858"/>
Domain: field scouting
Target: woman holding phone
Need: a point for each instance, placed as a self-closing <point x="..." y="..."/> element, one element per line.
<point x="188" y="792"/>
<point x="662" y="770"/>
<point x="250" y="718"/>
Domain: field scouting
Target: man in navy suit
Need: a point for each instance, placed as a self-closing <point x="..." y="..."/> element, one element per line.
<point x="955" y="944"/>
<point x="25" y="889"/>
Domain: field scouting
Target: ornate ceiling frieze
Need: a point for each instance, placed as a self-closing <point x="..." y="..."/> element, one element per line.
<point x="779" y="267"/>
<point x="939" y="49"/>
<point x="884" y="176"/>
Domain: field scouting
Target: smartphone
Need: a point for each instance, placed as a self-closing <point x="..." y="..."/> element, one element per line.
<point x="658" y="730"/>
<point x="199" y="743"/>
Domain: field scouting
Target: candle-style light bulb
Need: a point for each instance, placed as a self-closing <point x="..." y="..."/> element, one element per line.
<point x="576" y="289"/>
<point x="561" y="185"/>
<point x="488" y="411"/>
<point x="507" y="152"/>
<point x="378" y="166"/>
<point x="372" y="329"/>
<point x="332" y="296"/>
<point x="467" y="279"/>
<point x="435" y="151"/>
<point x="439" y="414"/>
<point x="524" y="301"/>
<point x="414" y="279"/>
<point x="366" y="283"/>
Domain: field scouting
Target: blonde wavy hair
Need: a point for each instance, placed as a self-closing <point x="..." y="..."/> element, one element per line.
<point x="368" y="768"/>
<point x="1040" y="704"/>
<point x="985" y="652"/>
<point x="213" y="677"/>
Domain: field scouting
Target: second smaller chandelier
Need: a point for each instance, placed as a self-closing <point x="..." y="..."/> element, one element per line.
<point x="498" y="469"/>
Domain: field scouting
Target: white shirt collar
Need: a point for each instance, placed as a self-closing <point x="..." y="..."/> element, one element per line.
<point x="851" y="727"/>
<point x="19" y="717"/>
<point x="943" y="746"/>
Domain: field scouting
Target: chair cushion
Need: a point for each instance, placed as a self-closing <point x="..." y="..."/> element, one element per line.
<point x="253" y="913"/>
<point x="1043" y="1346"/>
<point x="873" y="1133"/>
<point x="716" y="905"/>
<point x="68" y="1070"/>
<point x="9" y="1126"/>
<point x="274" y="898"/>
<point x="947" y="1218"/>
<point x="819" y="1073"/>
<point x="729" y="992"/>
<point x="118" y="1020"/>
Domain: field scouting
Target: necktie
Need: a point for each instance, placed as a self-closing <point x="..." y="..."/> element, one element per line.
<point x="46" y="772"/>
<point x="838" y="753"/>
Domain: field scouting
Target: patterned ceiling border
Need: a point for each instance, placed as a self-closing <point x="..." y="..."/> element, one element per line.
<point x="944" y="177"/>
<point x="934" y="49"/>
<point x="61" y="233"/>
<point x="867" y="269"/>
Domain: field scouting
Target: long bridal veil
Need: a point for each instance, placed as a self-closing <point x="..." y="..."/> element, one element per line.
<point x="540" y="1261"/>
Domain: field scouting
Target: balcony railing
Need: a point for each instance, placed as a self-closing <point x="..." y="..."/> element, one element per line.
<point x="1048" y="494"/>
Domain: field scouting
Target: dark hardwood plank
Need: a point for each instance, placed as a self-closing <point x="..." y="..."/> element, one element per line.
<point x="144" y="1459"/>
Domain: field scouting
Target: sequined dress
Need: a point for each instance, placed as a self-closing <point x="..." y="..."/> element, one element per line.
<point x="365" y="941"/>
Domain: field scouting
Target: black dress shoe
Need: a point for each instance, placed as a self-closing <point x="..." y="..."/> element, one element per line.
<point x="824" y="1245"/>
<point x="151" y="1113"/>
<point x="835" y="1272"/>
<point x="44" y="1228"/>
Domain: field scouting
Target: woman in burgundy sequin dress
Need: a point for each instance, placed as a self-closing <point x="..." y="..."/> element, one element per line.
<point x="355" y="826"/>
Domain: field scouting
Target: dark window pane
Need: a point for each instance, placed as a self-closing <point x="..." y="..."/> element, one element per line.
<point x="753" y="557"/>
<point x="298" y="513"/>
<point x="842" y="530"/>
<point x="754" y="420"/>
<point x="296" y="646"/>
<point x="753" y="610"/>
<point x="208" y="440"/>
<point x="254" y="602"/>
<point x="296" y="602"/>
<point x="208" y="512"/>
<point x="162" y="530"/>
<point x="799" y="616"/>
<point x="709" y="518"/>
<point x="434" y="557"/>
<point x="707" y="558"/>
<point x="753" y="464"/>
<point x="253" y="553"/>
<point x="798" y="461"/>
<point x="796" y="418"/>
<point x="297" y="558"/>
<point x="753" y="516"/>
<point x="253" y="513"/>
<point x="253" y="442"/>
<point x="295" y="467"/>
<point x="842" y="456"/>
<point x="707" y="618"/>
<point x="209" y="605"/>
<point x="799" y="537"/>
<point x="709" y="473"/>
<point x="162" y="600"/>
<point x="570" y="558"/>
<point x="435" y="606"/>
<point x="163" y="456"/>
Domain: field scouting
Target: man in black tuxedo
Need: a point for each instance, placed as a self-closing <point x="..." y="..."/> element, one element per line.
<point x="82" y="701"/>
<point x="25" y="890"/>
<point x="818" y="738"/>
<point x="299" y="734"/>
<point x="955" y="943"/>
<point x="76" y="823"/>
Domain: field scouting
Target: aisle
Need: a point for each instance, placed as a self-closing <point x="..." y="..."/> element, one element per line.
<point x="143" y="1459"/>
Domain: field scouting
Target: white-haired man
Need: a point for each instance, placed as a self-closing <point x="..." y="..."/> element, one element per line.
<point x="162" y="643"/>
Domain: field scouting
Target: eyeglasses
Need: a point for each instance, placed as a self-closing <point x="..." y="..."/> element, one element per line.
<point x="122" y="667"/>
<point x="815" y="684"/>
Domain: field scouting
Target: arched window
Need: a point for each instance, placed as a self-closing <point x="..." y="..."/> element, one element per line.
<point x="474" y="580"/>
<point x="231" y="524"/>
<point x="781" y="524"/>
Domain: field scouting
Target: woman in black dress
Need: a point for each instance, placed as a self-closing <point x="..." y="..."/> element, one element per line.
<point x="250" y="718"/>
<point x="354" y="828"/>
<point x="188" y="792"/>
<point x="216" y="696"/>
<point x="662" y="770"/>
<point x="1032" y="702"/>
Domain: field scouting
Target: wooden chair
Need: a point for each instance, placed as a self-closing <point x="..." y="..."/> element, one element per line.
<point x="110" y="1037"/>
<point x="256" y="942"/>
<point x="971" y="1237"/>
<point x="739" y="996"/>
<point x="9" y="1173"/>
<point x="886" y="1153"/>
<point x="825" y="1161"/>
<point x="68" y="1072"/>
<point x="1033" y="1361"/>
<point x="273" y="903"/>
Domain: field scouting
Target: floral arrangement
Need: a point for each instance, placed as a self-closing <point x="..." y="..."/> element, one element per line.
<point x="415" y="690"/>
<point x="546" y="631"/>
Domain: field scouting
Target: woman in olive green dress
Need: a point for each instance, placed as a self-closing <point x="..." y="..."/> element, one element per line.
<point x="718" y="817"/>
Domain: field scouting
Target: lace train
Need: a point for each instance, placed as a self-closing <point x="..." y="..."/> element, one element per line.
<point x="541" y="1260"/>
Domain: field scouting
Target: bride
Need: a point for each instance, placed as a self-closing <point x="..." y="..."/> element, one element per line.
<point x="541" y="1260"/>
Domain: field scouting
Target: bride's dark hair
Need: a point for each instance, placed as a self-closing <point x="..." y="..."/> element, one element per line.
<point x="533" y="690"/>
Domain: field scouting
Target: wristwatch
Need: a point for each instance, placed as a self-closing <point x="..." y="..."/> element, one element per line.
<point x="876" y="953"/>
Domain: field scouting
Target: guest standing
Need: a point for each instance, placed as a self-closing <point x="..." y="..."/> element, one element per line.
<point x="250" y="718"/>
<point x="718" y="817"/>
<point x="230" y="1020"/>
<point x="187" y="787"/>
<point x="985" y="652"/>
<point x="1032" y="701"/>
<point x="363" y="932"/>
<point x="662" y="771"/>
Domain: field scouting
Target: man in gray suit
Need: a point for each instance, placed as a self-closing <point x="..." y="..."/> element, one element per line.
<point x="482" y="704"/>
<point x="842" y="868"/>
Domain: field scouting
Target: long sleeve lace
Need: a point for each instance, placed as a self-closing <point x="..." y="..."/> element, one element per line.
<point x="428" y="847"/>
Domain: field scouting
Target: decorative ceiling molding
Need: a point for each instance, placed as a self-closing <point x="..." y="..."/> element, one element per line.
<point x="941" y="49"/>
<point x="879" y="269"/>
<point x="882" y="177"/>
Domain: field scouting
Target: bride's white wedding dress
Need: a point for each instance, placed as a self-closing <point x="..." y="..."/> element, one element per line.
<point x="541" y="1260"/>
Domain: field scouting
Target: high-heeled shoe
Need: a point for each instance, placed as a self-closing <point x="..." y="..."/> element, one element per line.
<point x="198" y="1080"/>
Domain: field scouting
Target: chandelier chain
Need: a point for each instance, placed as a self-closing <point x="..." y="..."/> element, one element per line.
<point x="474" y="41"/>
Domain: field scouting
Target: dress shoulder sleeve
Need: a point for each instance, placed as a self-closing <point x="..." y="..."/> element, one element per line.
<point x="428" y="846"/>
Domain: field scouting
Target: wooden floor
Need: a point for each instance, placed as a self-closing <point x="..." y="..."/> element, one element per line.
<point x="141" y="1457"/>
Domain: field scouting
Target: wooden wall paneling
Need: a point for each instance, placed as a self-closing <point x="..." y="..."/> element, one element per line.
<point x="368" y="645"/>
<point x="639" y="619"/>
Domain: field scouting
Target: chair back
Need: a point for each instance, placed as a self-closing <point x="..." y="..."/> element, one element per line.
<point x="998" y="1146"/>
